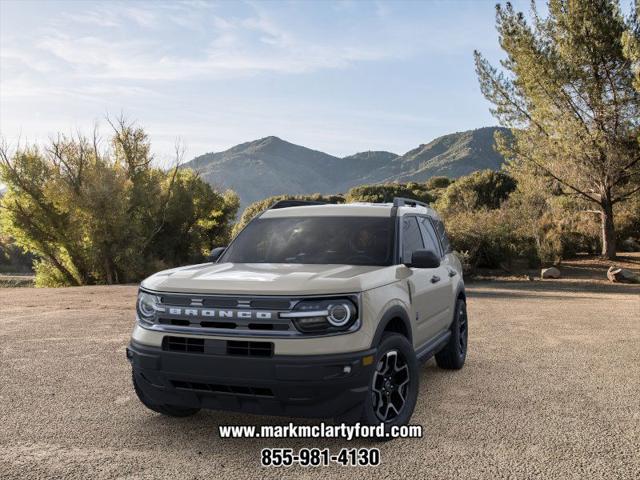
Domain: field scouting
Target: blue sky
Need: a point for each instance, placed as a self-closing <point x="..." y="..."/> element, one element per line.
<point x="340" y="77"/>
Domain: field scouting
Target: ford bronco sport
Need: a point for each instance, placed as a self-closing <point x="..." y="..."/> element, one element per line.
<point x="317" y="310"/>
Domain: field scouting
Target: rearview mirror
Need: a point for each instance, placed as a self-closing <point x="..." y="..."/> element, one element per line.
<point x="215" y="254"/>
<point x="424" y="259"/>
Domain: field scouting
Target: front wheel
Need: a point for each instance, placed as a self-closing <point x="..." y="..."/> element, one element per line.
<point x="453" y="355"/>
<point x="394" y="385"/>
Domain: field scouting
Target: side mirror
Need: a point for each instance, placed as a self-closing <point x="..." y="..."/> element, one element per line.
<point x="215" y="254"/>
<point x="424" y="259"/>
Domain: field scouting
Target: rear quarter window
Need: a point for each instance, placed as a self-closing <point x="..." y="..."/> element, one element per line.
<point x="430" y="237"/>
<point x="442" y="234"/>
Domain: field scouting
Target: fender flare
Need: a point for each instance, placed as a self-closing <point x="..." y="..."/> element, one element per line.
<point x="460" y="292"/>
<point x="395" y="311"/>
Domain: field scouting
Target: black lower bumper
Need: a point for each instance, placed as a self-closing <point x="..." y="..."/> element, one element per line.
<point x="318" y="386"/>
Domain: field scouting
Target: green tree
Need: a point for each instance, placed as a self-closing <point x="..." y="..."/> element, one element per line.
<point x="435" y="183"/>
<point x="481" y="189"/>
<point x="631" y="41"/>
<point x="566" y="89"/>
<point x="381" y="193"/>
<point x="95" y="216"/>
<point x="196" y="220"/>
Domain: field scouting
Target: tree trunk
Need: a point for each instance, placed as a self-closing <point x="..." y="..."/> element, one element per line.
<point x="107" y="271"/>
<point x="68" y="276"/>
<point x="608" y="230"/>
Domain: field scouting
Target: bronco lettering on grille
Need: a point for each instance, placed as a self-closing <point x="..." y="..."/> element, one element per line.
<point x="211" y="313"/>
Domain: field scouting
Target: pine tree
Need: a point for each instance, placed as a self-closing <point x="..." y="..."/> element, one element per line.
<point x="566" y="89"/>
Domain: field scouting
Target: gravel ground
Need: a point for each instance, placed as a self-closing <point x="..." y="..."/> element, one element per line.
<point x="551" y="389"/>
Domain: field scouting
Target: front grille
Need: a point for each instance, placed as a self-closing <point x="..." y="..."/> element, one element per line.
<point x="271" y="303"/>
<point x="183" y="344"/>
<point x="229" y="389"/>
<point x="210" y="302"/>
<point x="228" y="325"/>
<point x="217" y="347"/>
<point x="279" y="326"/>
<point x="228" y="315"/>
<point x="268" y="326"/>
<point x="250" y="349"/>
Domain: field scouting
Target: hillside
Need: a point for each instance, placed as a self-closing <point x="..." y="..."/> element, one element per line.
<point x="269" y="166"/>
<point x="452" y="156"/>
<point x="272" y="166"/>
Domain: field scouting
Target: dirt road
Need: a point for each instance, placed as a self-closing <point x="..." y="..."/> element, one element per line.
<point x="551" y="389"/>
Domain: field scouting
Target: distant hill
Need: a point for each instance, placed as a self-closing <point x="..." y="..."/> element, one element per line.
<point x="453" y="155"/>
<point x="272" y="166"/>
<point x="359" y="163"/>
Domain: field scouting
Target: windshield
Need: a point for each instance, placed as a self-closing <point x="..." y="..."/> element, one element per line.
<point x="338" y="240"/>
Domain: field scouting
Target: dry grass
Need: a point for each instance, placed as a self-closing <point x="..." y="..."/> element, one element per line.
<point x="8" y="280"/>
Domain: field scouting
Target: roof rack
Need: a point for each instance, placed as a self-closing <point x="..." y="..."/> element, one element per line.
<point x="295" y="203"/>
<point x="408" y="202"/>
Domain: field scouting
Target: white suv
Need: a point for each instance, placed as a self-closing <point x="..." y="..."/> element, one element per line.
<point x="317" y="310"/>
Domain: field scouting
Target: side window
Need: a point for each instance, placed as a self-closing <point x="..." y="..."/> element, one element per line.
<point x="430" y="239"/>
<point x="444" y="240"/>
<point x="411" y="238"/>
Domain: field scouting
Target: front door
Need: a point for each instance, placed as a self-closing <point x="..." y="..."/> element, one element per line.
<point x="428" y="286"/>
<point x="442" y="302"/>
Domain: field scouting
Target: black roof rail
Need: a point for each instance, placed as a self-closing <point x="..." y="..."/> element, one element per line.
<point x="295" y="203"/>
<point x="407" y="202"/>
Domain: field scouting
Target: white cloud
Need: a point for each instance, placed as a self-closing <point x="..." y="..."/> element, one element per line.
<point x="235" y="47"/>
<point x="70" y="47"/>
<point x="141" y="16"/>
<point x="176" y="63"/>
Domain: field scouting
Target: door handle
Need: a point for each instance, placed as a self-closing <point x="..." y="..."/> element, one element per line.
<point x="452" y="272"/>
<point x="435" y="279"/>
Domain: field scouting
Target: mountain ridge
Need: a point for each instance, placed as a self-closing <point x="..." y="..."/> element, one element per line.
<point x="272" y="166"/>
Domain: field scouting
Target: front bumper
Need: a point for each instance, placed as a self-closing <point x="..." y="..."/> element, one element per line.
<point x="317" y="386"/>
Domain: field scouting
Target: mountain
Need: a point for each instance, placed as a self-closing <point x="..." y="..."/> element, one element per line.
<point x="272" y="166"/>
<point x="452" y="156"/>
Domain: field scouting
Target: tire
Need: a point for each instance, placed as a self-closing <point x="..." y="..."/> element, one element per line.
<point x="168" y="410"/>
<point x="453" y="355"/>
<point x="396" y="363"/>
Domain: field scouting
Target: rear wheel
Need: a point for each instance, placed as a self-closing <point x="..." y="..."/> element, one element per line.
<point x="393" y="388"/>
<point x="169" y="410"/>
<point x="453" y="355"/>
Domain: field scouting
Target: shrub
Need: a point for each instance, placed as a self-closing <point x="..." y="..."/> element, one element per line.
<point x="488" y="237"/>
<point x="435" y="183"/>
<point x="464" y="258"/>
<point x="92" y="216"/>
<point x="482" y="189"/>
<point x="384" y="193"/>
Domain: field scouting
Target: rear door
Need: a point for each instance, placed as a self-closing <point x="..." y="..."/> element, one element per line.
<point x="422" y="285"/>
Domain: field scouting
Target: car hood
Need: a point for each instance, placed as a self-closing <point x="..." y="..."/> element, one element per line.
<point x="270" y="278"/>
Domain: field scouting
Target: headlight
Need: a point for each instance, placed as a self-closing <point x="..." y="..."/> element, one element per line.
<point x="339" y="314"/>
<point x="323" y="316"/>
<point x="147" y="306"/>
